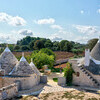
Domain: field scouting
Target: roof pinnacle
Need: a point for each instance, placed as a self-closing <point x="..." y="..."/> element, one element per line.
<point x="23" y="54"/>
<point x="23" y="58"/>
<point x="98" y="40"/>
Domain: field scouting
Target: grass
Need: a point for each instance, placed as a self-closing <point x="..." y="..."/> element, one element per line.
<point x="92" y="99"/>
<point x="70" y="95"/>
<point x="55" y="79"/>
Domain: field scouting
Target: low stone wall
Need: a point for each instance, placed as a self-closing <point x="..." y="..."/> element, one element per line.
<point x="24" y="82"/>
<point x="9" y="91"/>
<point x="43" y="79"/>
<point x="61" y="81"/>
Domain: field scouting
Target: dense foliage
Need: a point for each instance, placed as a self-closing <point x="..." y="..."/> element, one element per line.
<point x="68" y="73"/>
<point x="40" y="59"/>
<point x="91" y="43"/>
<point x="35" y="43"/>
<point x="48" y="52"/>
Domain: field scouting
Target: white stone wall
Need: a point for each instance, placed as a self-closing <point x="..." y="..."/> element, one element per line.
<point x="61" y="81"/>
<point x="25" y="82"/>
<point x="82" y="79"/>
<point x="9" y="91"/>
<point x="97" y="77"/>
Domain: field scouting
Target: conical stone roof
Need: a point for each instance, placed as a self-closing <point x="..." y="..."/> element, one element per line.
<point x="7" y="61"/>
<point x="36" y="71"/>
<point x="95" y="53"/>
<point x="22" y="68"/>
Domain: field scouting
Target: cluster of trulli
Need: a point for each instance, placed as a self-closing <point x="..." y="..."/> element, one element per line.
<point x="11" y="66"/>
<point x="87" y="69"/>
<point x="12" y="70"/>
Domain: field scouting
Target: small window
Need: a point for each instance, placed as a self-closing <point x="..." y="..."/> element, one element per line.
<point x="77" y="74"/>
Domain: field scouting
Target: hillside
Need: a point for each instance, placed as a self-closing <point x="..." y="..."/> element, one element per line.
<point x="59" y="54"/>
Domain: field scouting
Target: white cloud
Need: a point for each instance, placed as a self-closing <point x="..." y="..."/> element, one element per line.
<point x="89" y="30"/>
<point x="15" y="21"/>
<point x="45" y="21"/>
<point x="55" y="37"/>
<point x="98" y="11"/>
<point x="82" y="11"/>
<point x="82" y="39"/>
<point x="4" y="38"/>
<point x="25" y="32"/>
<point x="8" y="38"/>
<point x="56" y="27"/>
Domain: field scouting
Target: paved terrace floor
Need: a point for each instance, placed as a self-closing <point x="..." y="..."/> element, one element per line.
<point x="51" y="86"/>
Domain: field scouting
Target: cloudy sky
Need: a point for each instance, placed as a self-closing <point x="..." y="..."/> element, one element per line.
<point x="74" y="20"/>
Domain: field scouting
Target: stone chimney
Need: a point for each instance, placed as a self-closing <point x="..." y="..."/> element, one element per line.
<point x="87" y="57"/>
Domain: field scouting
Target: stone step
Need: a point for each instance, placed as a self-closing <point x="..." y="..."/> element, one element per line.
<point x="90" y="77"/>
<point x="83" y="71"/>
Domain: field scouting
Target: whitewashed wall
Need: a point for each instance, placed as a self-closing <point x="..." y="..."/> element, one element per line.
<point x="83" y="79"/>
<point x="25" y="82"/>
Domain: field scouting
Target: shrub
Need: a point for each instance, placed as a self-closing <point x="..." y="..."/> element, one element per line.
<point x="55" y="69"/>
<point x="77" y="51"/>
<point x="55" y="79"/>
<point x="41" y="59"/>
<point x="48" y="52"/>
<point x="77" y="56"/>
<point x="68" y="73"/>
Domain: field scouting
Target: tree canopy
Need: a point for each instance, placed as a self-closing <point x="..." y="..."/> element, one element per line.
<point x="37" y="43"/>
<point x="91" y="43"/>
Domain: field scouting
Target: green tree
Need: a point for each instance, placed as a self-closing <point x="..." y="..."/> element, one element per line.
<point x="68" y="46"/>
<point x="77" y="51"/>
<point x="17" y="47"/>
<point x="68" y="73"/>
<point x="31" y="45"/>
<point x="41" y="59"/>
<point x="56" y="46"/>
<point x="38" y="44"/>
<point x="62" y="44"/>
<point x="25" y="48"/>
<point x="48" y="44"/>
<point x="91" y="43"/>
<point x="11" y="46"/>
<point x="48" y="52"/>
<point x="24" y="41"/>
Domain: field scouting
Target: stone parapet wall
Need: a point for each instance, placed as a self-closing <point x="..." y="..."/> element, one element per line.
<point x="24" y="82"/>
<point x="9" y="91"/>
<point x="43" y="79"/>
<point x="61" y="81"/>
